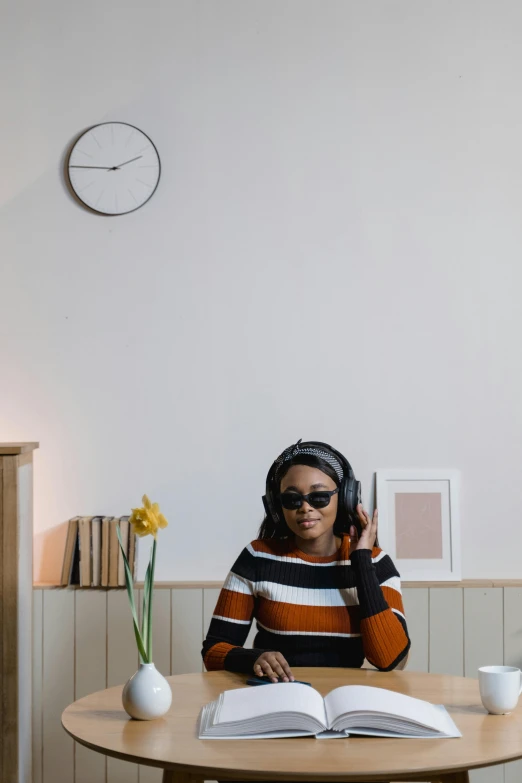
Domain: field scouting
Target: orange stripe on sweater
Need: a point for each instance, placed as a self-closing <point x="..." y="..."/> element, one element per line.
<point x="279" y="616"/>
<point x="393" y="598"/>
<point x="215" y="657"/>
<point x="237" y="606"/>
<point x="383" y="638"/>
<point x="271" y="546"/>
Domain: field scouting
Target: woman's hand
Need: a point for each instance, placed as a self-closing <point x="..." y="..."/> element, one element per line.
<point x="275" y="666"/>
<point x="368" y="533"/>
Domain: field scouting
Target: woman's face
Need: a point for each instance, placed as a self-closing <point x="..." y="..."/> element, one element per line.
<point x="308" y="522"/>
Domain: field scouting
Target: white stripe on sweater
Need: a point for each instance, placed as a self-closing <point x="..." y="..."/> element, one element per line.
<point x="306" y="633"/>
<point x="394" y="583"/>
<point x="239" y="584"/>
<point x="231" y="619"/>
<point x="301" y="596"/>
<point x="307" y="596"/>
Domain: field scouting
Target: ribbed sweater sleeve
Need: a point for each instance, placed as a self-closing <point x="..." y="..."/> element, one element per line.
<point x="383" y="625"/>
<point x="231" y="620"/>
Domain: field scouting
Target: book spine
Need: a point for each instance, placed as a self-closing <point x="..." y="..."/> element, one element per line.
<point x="124" y="529"/>
<point x="68" y="556"/>
<point x="74" y="578"/>
<point x="114" y="550"/>
<point x="85" y="551"/>
<point x="96" y="551"/>
<point x="105" y="535"/>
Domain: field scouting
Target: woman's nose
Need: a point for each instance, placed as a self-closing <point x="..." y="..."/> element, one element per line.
<point x="306" y="507"/>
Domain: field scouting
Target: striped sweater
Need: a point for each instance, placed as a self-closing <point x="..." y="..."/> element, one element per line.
<point x="316" y="611"/>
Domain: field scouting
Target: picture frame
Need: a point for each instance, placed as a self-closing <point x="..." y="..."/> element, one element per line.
<point x="419" y="523"/>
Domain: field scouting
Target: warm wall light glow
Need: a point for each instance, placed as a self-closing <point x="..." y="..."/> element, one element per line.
<point x="48" y="553"/>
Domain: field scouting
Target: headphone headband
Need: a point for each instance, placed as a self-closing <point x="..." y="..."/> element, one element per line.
<point x="322" y="450"/>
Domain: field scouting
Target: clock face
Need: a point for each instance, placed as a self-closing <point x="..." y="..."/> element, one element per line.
<point x="114" y="168"/>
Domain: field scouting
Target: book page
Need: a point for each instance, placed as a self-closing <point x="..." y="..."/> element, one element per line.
<point x="416" y="731"/>
<point x="363" y="699"/>
<point x="257" y="701"/>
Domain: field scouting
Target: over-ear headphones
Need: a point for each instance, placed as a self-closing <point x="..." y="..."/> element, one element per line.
<point x="349" y="488"/>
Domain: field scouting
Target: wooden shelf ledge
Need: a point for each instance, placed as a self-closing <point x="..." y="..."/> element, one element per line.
<point x="12" y="449"/>
<point x="465" y="583"/>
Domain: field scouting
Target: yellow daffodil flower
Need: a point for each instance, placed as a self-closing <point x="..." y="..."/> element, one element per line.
<point x="147" y="520"/>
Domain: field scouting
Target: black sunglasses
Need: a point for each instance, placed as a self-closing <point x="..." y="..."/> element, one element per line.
<point x="294" y="500"/>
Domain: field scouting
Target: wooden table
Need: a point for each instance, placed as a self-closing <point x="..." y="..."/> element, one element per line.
<point x="99" y="722"/>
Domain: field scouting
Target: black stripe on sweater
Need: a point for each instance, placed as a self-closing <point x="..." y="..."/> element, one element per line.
<point x="302" y="574"/>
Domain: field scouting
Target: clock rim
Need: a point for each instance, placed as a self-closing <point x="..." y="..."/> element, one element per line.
<point x="78" y="197"/>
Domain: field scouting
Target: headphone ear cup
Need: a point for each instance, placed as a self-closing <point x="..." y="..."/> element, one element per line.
<point x="350" y="492"/>
<point x="269" y="508"/>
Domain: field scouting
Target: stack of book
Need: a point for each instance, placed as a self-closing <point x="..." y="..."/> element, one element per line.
<point x="93" y="557"/>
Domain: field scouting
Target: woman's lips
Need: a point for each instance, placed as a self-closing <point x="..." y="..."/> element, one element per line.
<point x="307" y="523"/>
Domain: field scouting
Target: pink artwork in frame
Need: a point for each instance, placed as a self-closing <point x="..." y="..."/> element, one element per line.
<point x="418" y="525"/>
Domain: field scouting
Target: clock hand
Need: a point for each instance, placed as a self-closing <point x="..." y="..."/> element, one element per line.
<point x="106" y="168"/>
<point x="127" y="161"/>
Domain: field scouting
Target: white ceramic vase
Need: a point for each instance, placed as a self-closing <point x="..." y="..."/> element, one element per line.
<point x="147" y="694"/>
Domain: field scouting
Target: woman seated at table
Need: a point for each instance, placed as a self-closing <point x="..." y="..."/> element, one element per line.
<point x="321" y="590"/>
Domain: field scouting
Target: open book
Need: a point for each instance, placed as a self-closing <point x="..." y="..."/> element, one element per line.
<point x="294" y="710"/>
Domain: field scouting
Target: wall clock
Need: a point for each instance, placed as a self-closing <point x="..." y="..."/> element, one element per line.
<point x="114" y="168"/>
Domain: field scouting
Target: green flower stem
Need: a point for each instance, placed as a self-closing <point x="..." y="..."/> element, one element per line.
<point x="144" y="612"/>
<point x="148" y="587"/>
<point x="150" y="592"/>
<point x="130" y="592"/>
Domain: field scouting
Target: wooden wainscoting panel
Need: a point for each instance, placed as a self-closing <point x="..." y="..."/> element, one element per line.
<point x="187" y="631"/>
<point x="488" y="775"/>
<point x="513" y="656"/>
<point x="91" y="672"/>
<point x="122" y="662"/>
<point x="446" y="631"/>
<point x="513" y="627"/>
<point x="513" y="772"/>
<point x="149" y="774"/>
<point x="483" y="645"/>
<point x="58" y="684"/>
<point x="122" y="653"/>
<point x="37" y="684"/>
<point x="416" y="607"/>
<point x="210" y="598"/>
<point x="483" y="631"/>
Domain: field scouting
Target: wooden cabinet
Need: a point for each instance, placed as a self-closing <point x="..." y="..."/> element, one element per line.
<point x="16" y="596"/>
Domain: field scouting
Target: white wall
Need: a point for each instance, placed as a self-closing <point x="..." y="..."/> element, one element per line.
<point x="333" y="253"/>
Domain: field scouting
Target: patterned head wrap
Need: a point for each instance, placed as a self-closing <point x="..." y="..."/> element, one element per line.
<point x="296" y="449"/>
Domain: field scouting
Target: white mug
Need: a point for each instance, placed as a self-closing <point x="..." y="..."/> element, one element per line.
<point x="500" y="687"/>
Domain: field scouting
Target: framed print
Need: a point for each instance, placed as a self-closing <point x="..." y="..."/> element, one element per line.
<point x="419" y="524"/>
